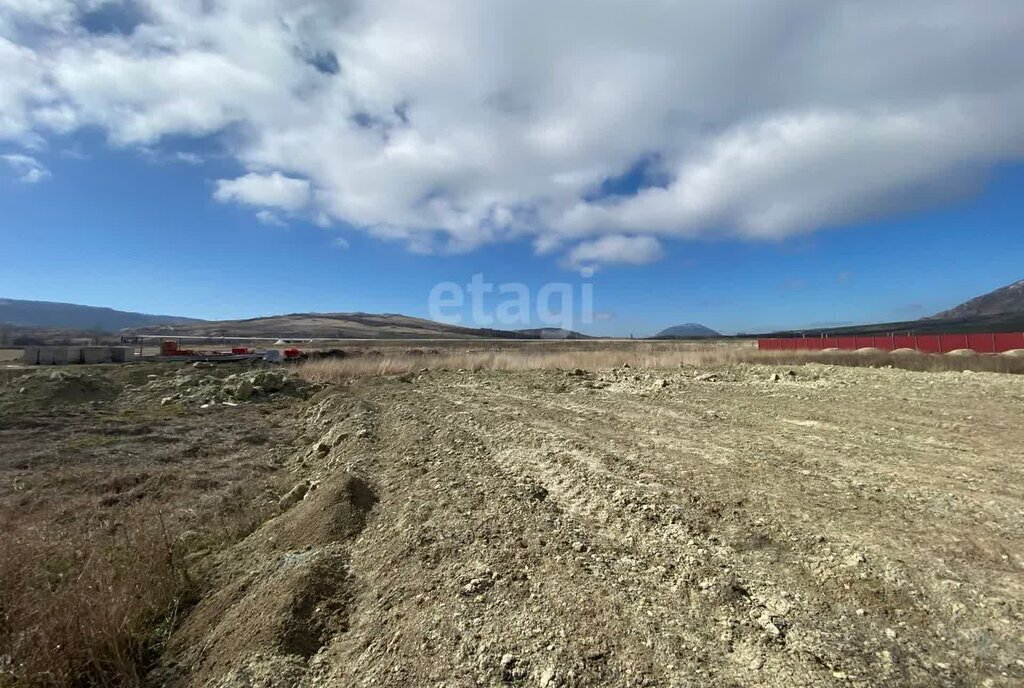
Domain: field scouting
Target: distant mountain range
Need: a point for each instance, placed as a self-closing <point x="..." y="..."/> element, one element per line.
<point x="1008" y="299"/>
<point x="687" y="331"/>
<point x="45" y="315"/>
<point x="552" y="333"/>
<point x="50" y="315"/>
<point x="1001" y="310"/>
<point x="336" y="326"/>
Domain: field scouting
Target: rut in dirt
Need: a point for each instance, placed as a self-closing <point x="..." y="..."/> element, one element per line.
<point x="631" y="529"/>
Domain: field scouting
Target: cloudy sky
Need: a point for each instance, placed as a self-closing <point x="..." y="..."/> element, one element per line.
<point x="748" y="163"/>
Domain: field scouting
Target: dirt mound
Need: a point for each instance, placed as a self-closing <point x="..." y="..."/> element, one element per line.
<point x="211" y="385"/>
<point x="288" y="611"/>
<point x="961" y="352"/>
<point x="285" y="592"/>
<point x="331" y="512"/>
<point x="45" y="390"/>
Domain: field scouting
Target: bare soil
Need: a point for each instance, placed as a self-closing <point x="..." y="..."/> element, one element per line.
<point x="832" y="527"/>
<point x="740" y="525"/>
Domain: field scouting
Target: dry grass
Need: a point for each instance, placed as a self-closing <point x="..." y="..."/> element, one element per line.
<point x="934" y="363"/>
<point x="639" y="355"/>
<point x="558" y="357"/>
<point x="90" y="604"/>
<point x="84" y="607"/>
<point x="108" y="515"/>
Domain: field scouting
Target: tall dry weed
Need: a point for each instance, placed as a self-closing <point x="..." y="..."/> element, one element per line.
<point x="82" y="606"/>
<point x="640" y="355"/>
<point x="89" y="603"/>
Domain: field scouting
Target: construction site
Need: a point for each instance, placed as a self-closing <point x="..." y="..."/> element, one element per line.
<point x="169" y="350"/>
<point x="617" y="515"/>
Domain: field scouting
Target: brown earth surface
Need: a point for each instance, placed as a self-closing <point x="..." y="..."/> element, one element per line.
<point x="834" y="527"/>
<point x="739" y="525"/>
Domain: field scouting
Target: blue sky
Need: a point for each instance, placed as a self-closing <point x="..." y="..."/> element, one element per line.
<point x="709" y="162"/>
<point x="140" y="232"/>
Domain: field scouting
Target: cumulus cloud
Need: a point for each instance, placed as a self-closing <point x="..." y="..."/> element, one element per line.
<point x="449" y="125"/>
<point x="27" y="169"/>
<point x="614" y="248"/>
<point x="793" y="174"/>
<point x="267" y="190"/>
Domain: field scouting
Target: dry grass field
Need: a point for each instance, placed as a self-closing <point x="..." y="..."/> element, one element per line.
<point x="397" y="358"/>
<point x="561" y="514"/>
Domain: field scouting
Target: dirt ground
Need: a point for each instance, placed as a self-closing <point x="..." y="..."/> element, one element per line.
<point x="834" y="527"/>
<point x="742" y="525"/>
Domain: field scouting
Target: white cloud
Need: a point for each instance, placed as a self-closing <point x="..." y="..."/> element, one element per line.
<point x="270" y="218"/>
<point x="187" y="158"/>
<point x="614" y="248"/>
<point x="794" y="174"/>
<point x="27" y="169"/>
<point x="159" y="156"/>
<point x="341" y="242"/>
<point x="268" y="190"/>
<point x="448" y="125"/>
<point x="21" y="88"/>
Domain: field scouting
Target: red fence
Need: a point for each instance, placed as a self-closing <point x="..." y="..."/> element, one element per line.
<point x="990" y="343"/>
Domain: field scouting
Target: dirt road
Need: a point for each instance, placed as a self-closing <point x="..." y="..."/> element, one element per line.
<point x="836" y="526"/>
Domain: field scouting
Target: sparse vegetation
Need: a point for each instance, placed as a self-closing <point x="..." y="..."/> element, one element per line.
<point x="110" y="510"/>
<point x="550" y="490"/>
<point x="639" y="355"/>
<point x="86" y="605"/>
<point x="90" y="603"/>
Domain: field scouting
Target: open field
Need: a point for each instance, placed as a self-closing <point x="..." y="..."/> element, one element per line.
<point x="658" y="517"/>
<point x="339" y="364"/>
